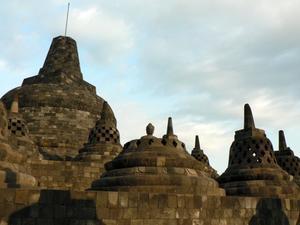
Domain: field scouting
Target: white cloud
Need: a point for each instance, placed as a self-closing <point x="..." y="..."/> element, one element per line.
<point x="199" y="61"/>
<point x="105" y="37"/>
<point x="3" y="65"/>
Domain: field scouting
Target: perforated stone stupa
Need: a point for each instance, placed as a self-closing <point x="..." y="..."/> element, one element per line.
<point x="62" y="163"/>
<point x="198" y="154"/>
<point x="287" y="159"/>
<point x="12" y="173"/>
<point x="252" y="168"/>
<point x="104" y="138"/>
<point x="158" y="165"/>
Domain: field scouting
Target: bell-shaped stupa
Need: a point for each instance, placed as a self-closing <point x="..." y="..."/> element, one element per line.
<point x="252" y="168"/>
<point x="19" y="135"/>
<point x="60" y="108"/>
<point x="198" y="154"/>
<point x="104" y="139"/>
<point x="12" y="171"/>
<point x="157" y="165"/>
<point x="287" y="159"/>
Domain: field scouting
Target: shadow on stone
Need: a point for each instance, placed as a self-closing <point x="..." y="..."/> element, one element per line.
<point x="57" y="208"/>
<point x="11" y="178"/>
<point x="269" y="212"/>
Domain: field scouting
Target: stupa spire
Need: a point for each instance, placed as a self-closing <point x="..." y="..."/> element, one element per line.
<point x="63" y="58"/>
<point x="248" y="117"/>
<point x="282" y="142"/>
<point x="107" y="115"/>
<point x="170" y="131"/>
<point x="14" y="108"/>
<point x="197" y="143"/>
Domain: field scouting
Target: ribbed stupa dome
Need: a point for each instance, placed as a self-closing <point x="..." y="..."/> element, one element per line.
<point x="252" y="168"/>
<point x="157" y="165"/>
<point x="59" y="107"/>
<point x="287" y="159"/>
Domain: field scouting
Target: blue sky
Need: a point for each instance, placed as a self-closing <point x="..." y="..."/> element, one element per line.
<point x="197" y="61"/>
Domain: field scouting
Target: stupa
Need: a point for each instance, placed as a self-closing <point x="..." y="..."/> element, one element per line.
<point x="198" y="154"/>
<point x="59" y="107"/>
<point x="104" y="139"/>
<point x="19" y="135"/>
<point x="287" y="159"/>
<point x="157" y="165"/>
<point x="252" y="168"/>
<point x="12" y="171"/>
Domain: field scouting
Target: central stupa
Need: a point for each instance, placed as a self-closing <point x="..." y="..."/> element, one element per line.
<point x="59" y="107"/>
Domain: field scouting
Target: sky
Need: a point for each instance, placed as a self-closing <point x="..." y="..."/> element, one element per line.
<point x="198" y="61"/>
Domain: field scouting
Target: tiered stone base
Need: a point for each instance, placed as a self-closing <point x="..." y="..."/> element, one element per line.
<point x="158" y="179"/>
<point x="20" y="207"/>
<point x="269" y="182"/>
<point x="98" y="152"/>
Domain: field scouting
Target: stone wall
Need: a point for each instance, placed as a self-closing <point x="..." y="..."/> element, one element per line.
<point x="66" y="175"/>
<point x="18" y="207"/>
<point x="59" y="116"/>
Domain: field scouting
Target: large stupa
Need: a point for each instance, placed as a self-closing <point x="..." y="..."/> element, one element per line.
<point x="59" y="106"/>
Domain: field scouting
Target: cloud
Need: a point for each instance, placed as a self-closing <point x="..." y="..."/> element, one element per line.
<point x="198" y="61"/>
<point x="3" y="65"/>
<point x="104" y="36"/>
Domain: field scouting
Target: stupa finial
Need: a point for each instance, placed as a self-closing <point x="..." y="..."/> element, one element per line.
<point x="282" y="142"/>
<point x="14" y="108"/>
<point x="150" y="129"/>
<point x="248" y="117"/>
<point x="197" y="143"/>
<point x="170" y="131"/>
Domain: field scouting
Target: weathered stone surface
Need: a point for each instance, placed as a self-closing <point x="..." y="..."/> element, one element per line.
<point x="253" y="169"/>
<point x="198" y="154"/>
<point x="104" y="138"/>
<point x="287" y="159"/>
<point x="11" y="170"/>
<point x="157" y="165"/>
<point x="59" y="107"/>
<point x="68" y="207"/>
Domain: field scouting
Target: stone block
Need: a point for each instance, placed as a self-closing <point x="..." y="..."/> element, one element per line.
<point x="113" y="199"/>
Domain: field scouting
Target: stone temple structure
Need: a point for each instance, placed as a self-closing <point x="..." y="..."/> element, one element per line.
<point x="62" y="163"/>
<point x="198" y="154"/>
<point x="287" y="159"/>
<point x="252" y="168"/>
<point x="58" y="100"/>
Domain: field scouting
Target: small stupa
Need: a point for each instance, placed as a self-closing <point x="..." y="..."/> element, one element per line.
<point x="19" y="134"/>
<point x="12" y="172"/>
<point x="287" y="159"/>
<point x="104" y="139"/>
<point x="157" y="165"/>
<point x="252" y="168"/>
<point x="198" y="154"/>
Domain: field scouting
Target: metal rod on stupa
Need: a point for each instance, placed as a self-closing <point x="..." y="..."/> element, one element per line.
<point x="248" y="117"/>
<point x="282" y="142"/>
<point x="67" y="20"/>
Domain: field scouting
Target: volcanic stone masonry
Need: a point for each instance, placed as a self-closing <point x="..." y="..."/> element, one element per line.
<point x="62" y="163"/>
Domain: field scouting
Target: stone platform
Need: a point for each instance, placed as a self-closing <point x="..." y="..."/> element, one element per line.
<point x="45" y="207"/>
